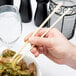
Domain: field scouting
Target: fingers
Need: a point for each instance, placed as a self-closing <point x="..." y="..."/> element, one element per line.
<point x="35" y="52"/>
<point x="38" y="41"/>
<point x="28" y="36"/>
<point x="53" y="32"/>
<point x="39" y="33"/>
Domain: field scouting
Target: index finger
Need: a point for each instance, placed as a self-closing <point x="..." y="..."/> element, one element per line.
<point x="39" y="33"/>
<point x="28" y="36"/>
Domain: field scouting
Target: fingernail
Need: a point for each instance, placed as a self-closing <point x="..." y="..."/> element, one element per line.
<point x="36" y="54"/>
<point x="33" y="51"/>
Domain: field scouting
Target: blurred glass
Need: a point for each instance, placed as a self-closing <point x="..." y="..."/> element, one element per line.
<point x="68" y="22"/>
<point x="10" y="24"/>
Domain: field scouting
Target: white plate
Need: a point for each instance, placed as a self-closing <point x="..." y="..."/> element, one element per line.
<point x="29" y="60"/>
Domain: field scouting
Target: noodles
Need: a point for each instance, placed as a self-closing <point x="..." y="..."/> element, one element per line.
<point x="13" y="69"/>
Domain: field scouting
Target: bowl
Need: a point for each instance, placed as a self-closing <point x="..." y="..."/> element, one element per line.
<point x="28" y="60"/>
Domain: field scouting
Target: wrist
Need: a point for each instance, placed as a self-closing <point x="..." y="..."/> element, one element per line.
<point x="71" y="57"/>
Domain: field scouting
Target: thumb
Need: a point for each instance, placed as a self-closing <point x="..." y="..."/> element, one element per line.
<point x="38" y="41"/>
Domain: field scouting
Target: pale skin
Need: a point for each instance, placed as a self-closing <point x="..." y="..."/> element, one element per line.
<point x="54" y="45"/>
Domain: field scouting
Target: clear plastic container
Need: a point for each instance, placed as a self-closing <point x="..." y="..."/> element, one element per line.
<point x="10" y="24"/>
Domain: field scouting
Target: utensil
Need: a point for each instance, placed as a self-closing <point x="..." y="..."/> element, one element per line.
<point x="44" y="22"/>
<point x="28" y="45"/>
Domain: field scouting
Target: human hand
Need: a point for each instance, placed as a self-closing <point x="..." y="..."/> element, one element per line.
<point x="54" y="45"/>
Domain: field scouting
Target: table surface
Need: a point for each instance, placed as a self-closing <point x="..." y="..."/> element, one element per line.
<point x="47" y="67"/>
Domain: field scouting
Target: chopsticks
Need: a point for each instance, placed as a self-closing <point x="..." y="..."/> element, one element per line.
<point x="44" y="22"/>
<point x="28" y="44"/>
<point x="49" y="29"/>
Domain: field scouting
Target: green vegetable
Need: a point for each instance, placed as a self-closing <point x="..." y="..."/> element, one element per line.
<point x="9" y="53"/>
<point x="21" y="69"/>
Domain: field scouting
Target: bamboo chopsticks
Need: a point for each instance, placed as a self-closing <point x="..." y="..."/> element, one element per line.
<point x="27" y="44"/>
